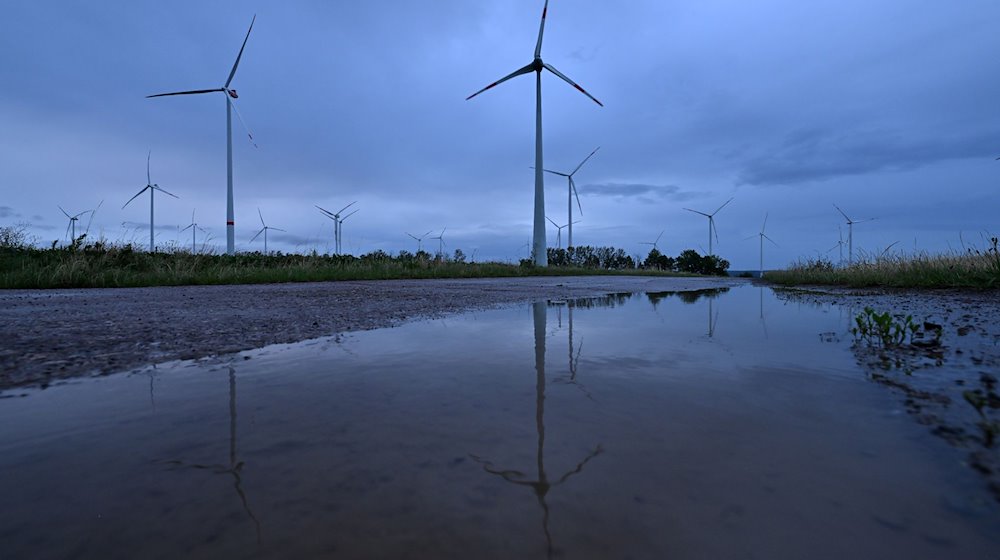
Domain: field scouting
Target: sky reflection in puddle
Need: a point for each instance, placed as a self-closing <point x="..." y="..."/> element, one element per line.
<point x="712" y="424"/>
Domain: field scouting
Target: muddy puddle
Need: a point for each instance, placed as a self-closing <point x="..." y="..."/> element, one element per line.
<point x="714" y="424"/>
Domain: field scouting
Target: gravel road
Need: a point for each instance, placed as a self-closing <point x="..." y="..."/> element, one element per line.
<point x="47" y="335"/>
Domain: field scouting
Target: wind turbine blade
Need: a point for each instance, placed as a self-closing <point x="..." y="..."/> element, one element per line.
<point x="258" y="234"/>
<point x="714" y="230"/>
<point x="842" y="213"/>
<point x="345" y="207"/>
<point x="585" y="160"/>
<point x="157" y="187"/>
<point x="697" y="212"/>
<point x="142" y="190"/>
<point x="723" y="206"/>
<point x="513" y="74"/>
<point x="658" y="237"/>
<point x="242" y="122"/>
<point x="765" y="224"/>
<point x="348" y="216"/>
<point x="413" y="236"/>
<point x="69" y="225"/>
<point x="572" y="184"/>
<point x="237" y="63"/>
<point x="550" y="220"/>
<point x="188" y="227"/>
<point x="192" y="92"/>
<point x="325" y="212"/>
<point x="65" y="212"/>
<point x="552" y="172"/>
<point x="552" y="69"/>
<point x="771" y="240"/>
<point x="541" y="30"/>
<point x="261" y="217"/>
<point x="92" y="212"/>
<point x="148" y="155"/>
<point x="276" y="229"/>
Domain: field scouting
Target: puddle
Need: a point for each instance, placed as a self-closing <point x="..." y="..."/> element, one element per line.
<point x="681" y="425"/>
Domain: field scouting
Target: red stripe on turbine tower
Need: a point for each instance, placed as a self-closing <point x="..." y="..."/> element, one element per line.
<point x="230" y="223"/>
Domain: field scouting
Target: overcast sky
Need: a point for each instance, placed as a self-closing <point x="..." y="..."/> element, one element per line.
<point x="889" y="109"/>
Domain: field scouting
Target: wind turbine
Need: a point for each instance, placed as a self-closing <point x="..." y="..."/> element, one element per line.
<point x="194" y="227"/>
<point x="653" y="243"/>
<point x="536" y="66"/>
<point x="763" y="236"/>
<point x="572" y="193"/>
<point x="840" y="245"/>
<point x="263" y="230"/>
<point x="337" y="222"/>
<point x="441" y="243"/>
<point x="72" y="221"/>
<point x="420" y="239"/>
<point x="151" y="187"/>
<point x="711" y="223"/>
<point x="559" y="229"/>
<point x="850" y="234"/>
<point x="230" y="95"/>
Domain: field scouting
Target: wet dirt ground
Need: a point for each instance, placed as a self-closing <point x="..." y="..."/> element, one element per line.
<point x="947" y="375"/>
<point x="49" y="335"/>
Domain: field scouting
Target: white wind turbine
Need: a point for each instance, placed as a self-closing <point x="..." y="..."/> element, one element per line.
<point x="850" y="233"/>
<point x="264" y="231"/>
<point x="420" y="239"/>
<point x="72" y="221"/>
<point x="763" y="236"/>
<point x="839" y="245"/>
<point x="337" y="222"/>
<point x="653" y="243"/>
<point x="559" y="229"/>
<point x="536" y="66"/>
<point x="441" y="243"/>
<point x="711" y="223"/>
<point x="194" y="227"/>
<point x="230" y="95"/>
<point x="572" y="193"/>
<point x="151" y="187"/>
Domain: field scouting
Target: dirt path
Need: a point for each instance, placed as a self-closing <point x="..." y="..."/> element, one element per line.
<point x="57" y="334"/>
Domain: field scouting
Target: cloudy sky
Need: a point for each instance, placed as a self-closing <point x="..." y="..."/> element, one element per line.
<point x="889" y="109"/>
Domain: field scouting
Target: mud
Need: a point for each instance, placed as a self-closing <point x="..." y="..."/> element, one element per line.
<point x="947" y="374"/>
<point x="51" y="335"/>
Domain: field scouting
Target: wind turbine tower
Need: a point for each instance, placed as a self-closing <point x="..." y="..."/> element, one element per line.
<point x="151" y="187"/>
<point x="230" y="95"/>
<point x="536" y="66"/>
<point x="264" y="231"/>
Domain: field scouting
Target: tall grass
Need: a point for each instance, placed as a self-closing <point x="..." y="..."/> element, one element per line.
<point x="974" y="268"/>
<point x="102" y="265"/>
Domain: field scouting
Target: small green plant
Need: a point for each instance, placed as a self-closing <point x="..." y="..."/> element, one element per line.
<point x="882" y="329"/>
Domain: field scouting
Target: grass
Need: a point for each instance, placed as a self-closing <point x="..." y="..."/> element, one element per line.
<point x="972" y="269"/>
<point x="100" y="265"/>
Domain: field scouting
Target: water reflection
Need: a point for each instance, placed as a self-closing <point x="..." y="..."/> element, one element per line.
<point x="542" y="484"/>
<point x="235" y="466"/>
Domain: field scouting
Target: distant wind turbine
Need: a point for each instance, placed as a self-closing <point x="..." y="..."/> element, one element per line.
<point x="151" y="187"/>
<point x="763" y="236"/>
<point x="338" y="222"/>
<point x="194" y="227"/>
<point x="850" y="233"/>
<point x="559" y="229"/>
<point x="711" y="223"/>
<point x="72" y="221"/>
<point x="420" y="239"/>
<point x="264" y="231"/>
<point x="653" y="243"/>
<point x="839" y="245"/>
<point x="536" y="66"/>
<point x="441" y="242"/>
<point x="230" y="95"/>
<point x="572" y="193"/>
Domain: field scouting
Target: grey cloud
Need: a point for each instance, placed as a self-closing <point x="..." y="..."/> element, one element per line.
<point x="818" y="155"/>
<point x="7" y="212"/>
<point x="639" y="191"/>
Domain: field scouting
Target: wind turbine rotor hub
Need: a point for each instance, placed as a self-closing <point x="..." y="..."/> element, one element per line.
<point x="232" y="93"/>
<point x="537" y="64"/>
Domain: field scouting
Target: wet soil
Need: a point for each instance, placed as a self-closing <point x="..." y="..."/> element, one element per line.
<point x="50" y="335"/>
<point x="947" y="373"/>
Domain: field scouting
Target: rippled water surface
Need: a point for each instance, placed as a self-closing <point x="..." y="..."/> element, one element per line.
<point x="693" y="425"/>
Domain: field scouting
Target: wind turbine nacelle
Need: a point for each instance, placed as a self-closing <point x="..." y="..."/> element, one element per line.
<point x="232" y="93"/>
